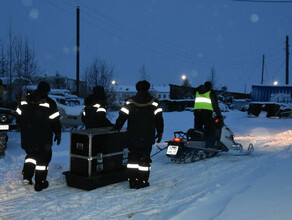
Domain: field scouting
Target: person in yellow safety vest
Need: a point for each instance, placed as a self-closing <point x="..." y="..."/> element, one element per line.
<point x="205" y="105"/>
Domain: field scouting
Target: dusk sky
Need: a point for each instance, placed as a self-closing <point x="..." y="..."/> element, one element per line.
<point x="169" y="37"/>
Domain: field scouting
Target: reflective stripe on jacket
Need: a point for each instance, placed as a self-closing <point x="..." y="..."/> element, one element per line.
<point x="203" y="101"/>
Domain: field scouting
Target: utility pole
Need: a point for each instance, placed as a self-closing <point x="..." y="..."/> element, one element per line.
<point x="287" y="60"/>
<point x="263" y="66"/>
<point x="77" y="51"/>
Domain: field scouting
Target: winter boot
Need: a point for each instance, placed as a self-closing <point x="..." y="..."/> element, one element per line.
<point x="133" y="178"/>
<point x="133" y="183"/>
<point x="26" y="182"/>
<point x="144" y="184"/>
<point x="28" y="169"/>
<point x="42" y="185"/>
<point x="143" y="178"/>
<point x="40" y="178"/>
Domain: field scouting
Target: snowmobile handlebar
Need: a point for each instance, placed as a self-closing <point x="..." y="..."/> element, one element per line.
<point x="180" y="134"/>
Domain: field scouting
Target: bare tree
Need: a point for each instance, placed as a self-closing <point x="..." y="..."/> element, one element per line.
<point x="17" y="64"/>
<point x="30" y="64"/>
<point x="11" y="41"/>
<point x="18" y="56"/>
<point x="213" y="78"/>
<point x="143" y="74"/>
<point x="25" y="64"/>
<point x="3" y="62"/>
<point x="186" y="83"/>
<point x="99" y="73"/>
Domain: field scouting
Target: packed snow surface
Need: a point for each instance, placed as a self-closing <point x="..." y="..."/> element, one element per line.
<point x="257" y="186"/>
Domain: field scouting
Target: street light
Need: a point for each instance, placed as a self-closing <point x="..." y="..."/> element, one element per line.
<point x="183" y="77"/>
<point x="276" y="83"/>
<point x="114" y="82"/>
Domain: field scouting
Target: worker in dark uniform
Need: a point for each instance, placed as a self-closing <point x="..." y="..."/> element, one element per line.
<point x="94" y="114"/>
<point x="38" y="120"/>
<point x="145" y="119"/>
<point x="205" y="110"/>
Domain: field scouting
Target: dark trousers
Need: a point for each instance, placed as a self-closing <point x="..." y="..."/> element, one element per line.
<point x="36" y="164"/>
<point x="204" y="121"/>
<point x="139" y="163"/>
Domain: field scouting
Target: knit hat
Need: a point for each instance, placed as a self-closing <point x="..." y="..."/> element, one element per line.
<point x="143" y="86"/>
<point x="98" y="91"/>
<point x="208" y="85"/>
<point x="43" y="88"/>
<point x="201" y="89"/>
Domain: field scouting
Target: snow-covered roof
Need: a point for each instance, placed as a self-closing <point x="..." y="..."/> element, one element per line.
<point x="162" y="88"/>
<point x="125" y="88"/>
<point x="62" y="92"/>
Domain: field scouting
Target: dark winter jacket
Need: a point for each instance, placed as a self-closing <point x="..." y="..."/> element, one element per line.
<point x="38" y="119"/>
<point x="144" y="116"/>
<point x="94" y="114"/>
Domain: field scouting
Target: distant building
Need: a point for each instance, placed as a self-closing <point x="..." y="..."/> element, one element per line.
<point x="277" y="94"/>
<point x="123" y="92"/>
<point x="275" y="100"/>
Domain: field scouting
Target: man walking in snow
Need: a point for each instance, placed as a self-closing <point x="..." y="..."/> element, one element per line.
<point x="205" y="105"/>
<point x="144" y="117"/>
<point x="38" y="119"/>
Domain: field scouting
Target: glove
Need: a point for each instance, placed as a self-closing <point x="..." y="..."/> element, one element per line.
<point x="57" y="138"/>
<point x="158" y="137"/>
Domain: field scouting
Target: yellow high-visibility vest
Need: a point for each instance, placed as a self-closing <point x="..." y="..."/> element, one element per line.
<point x="203" y="101"/>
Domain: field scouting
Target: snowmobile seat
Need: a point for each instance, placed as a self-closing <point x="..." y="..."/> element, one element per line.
<point x="195" y="135"/>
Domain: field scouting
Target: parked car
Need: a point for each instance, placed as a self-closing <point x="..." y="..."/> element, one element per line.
<point x="70" y="109"/>
<point x="7" y="116"/>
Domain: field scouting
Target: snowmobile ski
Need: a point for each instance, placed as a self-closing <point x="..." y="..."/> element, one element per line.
<point x="243" y="152"/>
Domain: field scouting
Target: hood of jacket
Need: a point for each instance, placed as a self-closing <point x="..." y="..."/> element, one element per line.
<point x="142" y="99"/>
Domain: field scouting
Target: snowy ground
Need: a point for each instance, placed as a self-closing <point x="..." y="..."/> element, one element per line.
<point x="225" y="187"/>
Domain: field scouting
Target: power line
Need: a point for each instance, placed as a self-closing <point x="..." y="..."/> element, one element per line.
<point x="264" y="1"/>
<point x="157" y="49"/>
<point x="145" y="41"/>
<point x="126" y="30"/>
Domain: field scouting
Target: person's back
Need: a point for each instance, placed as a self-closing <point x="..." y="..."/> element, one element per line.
<point x="38" y="119"/>
<point x="204" y="106"/>
<point x="94" y="114"/>
<point x="35" y="126"/>
<point x="144" y="117"/>
<point x="141" y="121"/>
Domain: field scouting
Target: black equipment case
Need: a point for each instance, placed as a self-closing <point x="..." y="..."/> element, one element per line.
<point x="98" y="157"/>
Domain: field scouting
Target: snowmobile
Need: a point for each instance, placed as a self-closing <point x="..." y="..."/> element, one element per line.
<point x="190" y="146"/>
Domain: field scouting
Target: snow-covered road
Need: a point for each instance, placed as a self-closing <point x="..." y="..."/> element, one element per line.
<point x="225" y="187"/>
